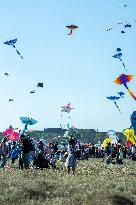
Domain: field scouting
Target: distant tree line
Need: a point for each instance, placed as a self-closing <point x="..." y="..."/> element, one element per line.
<point x="85" y="135"/>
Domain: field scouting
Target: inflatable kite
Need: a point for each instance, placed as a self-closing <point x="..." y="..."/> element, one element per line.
<point x="112" y="135"/>
<point x="71" y="27"/>
<point x="106" y="141"/>
<point x="130" y="137"/>
<point x="133" y="121"/>
<point x="114" y="99"/>
<point x="12" y="43"/>
<point x="123" y="80"/>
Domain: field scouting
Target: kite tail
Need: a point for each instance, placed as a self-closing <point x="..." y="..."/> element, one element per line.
<point x="120" y="59"/>
<point x="131" y="93"/>
<point x="124" y="66"/>
<point x="123" y="63"/>
<point x="19" y="53"/>
<point x="118" y="108"/>
<point x="70" y="33"/>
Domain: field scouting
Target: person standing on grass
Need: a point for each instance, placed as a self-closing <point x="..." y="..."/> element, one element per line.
<point x="25" y="144"/>
<point x="4" y="151"/>
<point x="71" y="162"/>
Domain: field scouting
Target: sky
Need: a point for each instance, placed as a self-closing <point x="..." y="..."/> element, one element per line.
<point x="77" y="69"/>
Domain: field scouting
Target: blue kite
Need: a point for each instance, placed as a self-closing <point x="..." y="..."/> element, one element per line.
<point x="121" y="94"/>
<point x="133" y="121"/>
<point x="114" y="99"/>
<point x="28" y="121"/>
<point x="12" y="43"/>
<point x="119" y="55"/>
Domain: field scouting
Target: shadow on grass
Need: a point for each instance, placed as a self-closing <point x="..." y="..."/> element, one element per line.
<point x="121" y="200"/>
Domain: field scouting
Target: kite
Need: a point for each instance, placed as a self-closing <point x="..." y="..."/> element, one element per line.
<point x="114" y="99"/>
<point x="121" y="94"/>
<point x="133" y="121"/>
<point x="12" y="43"/>
<point x="118" y="49"/>
<point x="119" y="55"/>
<point x="65" y="117"/>
<point x="10" y="134"/>
<point x="28" y="121"/>
<point x="123" y="79"/>
<point x="127" y="25"/>
<point x="105" y="142"/>
<point x="33" y="91"/>
<point x="124" y="5"/>
<point x="71" y="27"/>
<point x="130" y="137"/>
<point x="112" y="135"/>
<point x="123" y="24"/>
<point x="11" y="100"/>
<point x="40" y="85"/>
<point x="6" y="74"/>
<point x="119" y="23"/>
<point x="67" y="108"/>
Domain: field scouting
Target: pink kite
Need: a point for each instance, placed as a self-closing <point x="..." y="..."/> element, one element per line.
<point x="67" y="108"/>
<point x="10" y="134"/>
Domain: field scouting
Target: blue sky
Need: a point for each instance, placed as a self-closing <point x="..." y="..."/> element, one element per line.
<point x="77" y="69"/>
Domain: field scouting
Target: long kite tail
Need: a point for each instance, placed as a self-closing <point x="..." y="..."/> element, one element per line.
<point x="117" y="107"/>
<point x="19" y="53"/>
<point x="131" y="93"/>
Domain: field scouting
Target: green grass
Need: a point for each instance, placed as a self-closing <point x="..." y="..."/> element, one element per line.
<point x="94" y="183"/>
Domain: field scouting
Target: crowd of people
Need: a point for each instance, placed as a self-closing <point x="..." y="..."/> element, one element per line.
<point x="28" y="153"/>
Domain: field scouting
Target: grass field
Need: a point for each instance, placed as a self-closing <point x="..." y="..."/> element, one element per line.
<point x="94" y="183"/>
